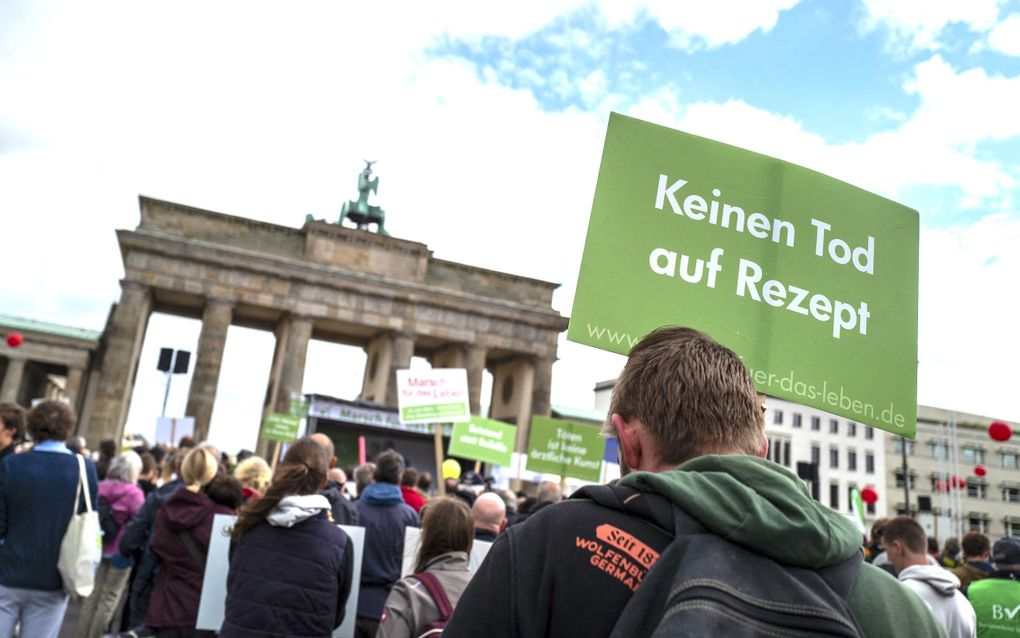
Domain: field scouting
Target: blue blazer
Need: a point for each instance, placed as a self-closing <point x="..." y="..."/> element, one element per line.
<point x="36" y="496"/>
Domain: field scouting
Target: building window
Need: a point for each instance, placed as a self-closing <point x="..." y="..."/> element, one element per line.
<point x="816" y="423"/>
<point x="796" y="419"/>
<point x="833" y="426"/>
<point x="779" y="451"/>
<point x="1008" y="460"/>
<point x="834" y="496"/>
<point x="1012" y="526"/>
<point x="938" y="450"/>
<point x="851" y="460"/>
<point x="899" y="479"/>
<point x="871" y="508"/>
<point x="816" y="454"/>
<point x="777" y="417"/>
<point x="834" y="457"/>
<point x="977" y="490"/>
<point x="977" y="524"/>
<point x="898" y="443"/>
<point x="869" y="462"/>
<point x="869" y="432"/>
<point x="1011" y="494"/>
<point x="973" y="455"/>
<point x="851" y="428"/>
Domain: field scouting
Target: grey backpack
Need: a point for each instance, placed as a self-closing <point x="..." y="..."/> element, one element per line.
<point x="705" y="585"/>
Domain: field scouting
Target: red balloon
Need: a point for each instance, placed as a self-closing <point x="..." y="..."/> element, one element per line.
<point x="955" y="482"/>
<point x="980" y="470"/>
<point x="869" y="495"/>
<point x="14" y="339"/>
<point x="999" y="431"/>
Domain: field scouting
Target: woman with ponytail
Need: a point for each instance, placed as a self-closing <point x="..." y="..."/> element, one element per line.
<point x="180" y="543"/>
<point x="290" y="566"/>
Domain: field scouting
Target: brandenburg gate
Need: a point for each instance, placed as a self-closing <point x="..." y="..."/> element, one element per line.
<point x="324" y="281"/>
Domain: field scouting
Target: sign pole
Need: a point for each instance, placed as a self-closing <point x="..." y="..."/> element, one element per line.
<point x="438" y="440"/>
<point x="276" y="455"/>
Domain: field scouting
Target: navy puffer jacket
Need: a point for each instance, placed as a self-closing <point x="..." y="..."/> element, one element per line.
<point x="288" y="581"/>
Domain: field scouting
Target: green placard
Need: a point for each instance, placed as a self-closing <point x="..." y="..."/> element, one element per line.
<point x="280" y="427"/>
<point x="299" y="408"/>
<point x="483" y="440"/>
<point x="565" y="448"/>
<point x="432" y="413"/>
<point x="813" y="282"/>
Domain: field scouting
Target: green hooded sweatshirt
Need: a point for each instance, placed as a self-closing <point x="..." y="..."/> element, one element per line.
<point x="764" y="507"/>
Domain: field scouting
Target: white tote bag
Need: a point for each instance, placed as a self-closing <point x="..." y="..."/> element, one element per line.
<point x="82" y="547"/>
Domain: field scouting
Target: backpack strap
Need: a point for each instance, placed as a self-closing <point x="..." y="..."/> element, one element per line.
<point x="437" y="593"/>
<point x="192" y="547"/>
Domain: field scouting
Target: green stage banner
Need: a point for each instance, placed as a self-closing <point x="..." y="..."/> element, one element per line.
<point x="565" y="448"/>
<point x="483" y="440"/>
<point x="280" y="427"/>
<point x="812" y="281"/>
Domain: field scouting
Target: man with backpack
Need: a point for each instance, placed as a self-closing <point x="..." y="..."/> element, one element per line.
<point x="702" y="536"/>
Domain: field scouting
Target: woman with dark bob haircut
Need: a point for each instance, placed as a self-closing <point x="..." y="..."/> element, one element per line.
<point x="441" y="571"/>
<point x="37" y="494"/>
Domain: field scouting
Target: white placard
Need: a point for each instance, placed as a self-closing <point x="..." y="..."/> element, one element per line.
<point x="217" y="566"/>
<point x="171" y="429"/>
<point x="412" y="540"/>
<point x="439" y="395"/>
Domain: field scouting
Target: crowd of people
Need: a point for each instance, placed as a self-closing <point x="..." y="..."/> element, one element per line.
<point x="701" y="532"/>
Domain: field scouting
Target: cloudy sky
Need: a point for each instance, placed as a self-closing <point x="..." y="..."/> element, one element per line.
<point x="488" y="121"/>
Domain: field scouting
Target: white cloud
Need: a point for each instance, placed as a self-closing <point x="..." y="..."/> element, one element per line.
<point x="692" y="24"/>
<point x="1005" y="37"/>
<point x="918" y="24"/>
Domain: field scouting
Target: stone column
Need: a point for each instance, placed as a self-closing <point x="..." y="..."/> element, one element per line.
<point x="288" y="371"/>
<point x="72" y="388"/>
<point x="212" y="341"/>
<point x="125" y="331"/>
<point x="292" y="368"/>
<point x="403" y="350"/>
<point x="475" y="364"/>
<point x="11" y="388"/>
<point x="541" y="390"/>
<point x="512" y="383"/>
<point x="386" y="354"/>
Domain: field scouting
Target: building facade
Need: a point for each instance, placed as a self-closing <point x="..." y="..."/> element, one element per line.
<point x="954" y="444"/>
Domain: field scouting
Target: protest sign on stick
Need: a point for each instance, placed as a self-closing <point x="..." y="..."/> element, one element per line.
<point x="812" y="281"/>
<point x="565" y="448"/>
<point x="435" y="396"/>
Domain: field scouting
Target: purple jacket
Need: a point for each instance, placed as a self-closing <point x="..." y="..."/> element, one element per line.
<point x="125" y="499"/>
<point x="175" y="596"/>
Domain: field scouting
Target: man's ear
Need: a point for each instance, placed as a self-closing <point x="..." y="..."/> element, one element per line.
<point x="332" y="463"/>
<point x="502" y="525"/>
<point x="630" y="442"/>
<point x="763" y="450"/>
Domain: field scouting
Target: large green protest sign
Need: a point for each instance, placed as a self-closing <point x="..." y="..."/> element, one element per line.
<point x="565" y="448"/>
<point x="280" y="427"/>
<point x="483" y="440"/>
<point x="812" y="281"/>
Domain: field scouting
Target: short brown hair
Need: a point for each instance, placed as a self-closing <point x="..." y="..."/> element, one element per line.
<point x="975" y="544"/>
<point x="446" y="526"/>
<point x="409" y="478"/>
<point x="692" y="394"/>
<point x="907" y="531"/>
<point x="50" y="421"/>
<point x="13" y="417"/>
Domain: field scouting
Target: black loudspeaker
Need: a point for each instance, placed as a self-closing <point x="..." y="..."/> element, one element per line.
<point x="923" y="503"/>
<point x="807" y="471"/>
<point x="166" y="355"/>
<point x="181" y="362"/>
